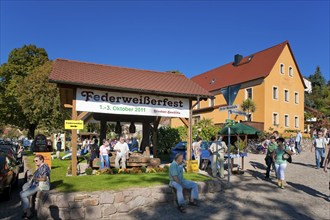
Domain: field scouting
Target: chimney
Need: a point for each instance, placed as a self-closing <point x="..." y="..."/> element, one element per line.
<point x="237" y="59"/>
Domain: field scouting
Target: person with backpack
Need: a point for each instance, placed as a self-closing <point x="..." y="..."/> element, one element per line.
<point x="217" y="150"/>
<point x="94" y="152"/>
<point x="269" y="160"/>
<point x="319" y="144"/>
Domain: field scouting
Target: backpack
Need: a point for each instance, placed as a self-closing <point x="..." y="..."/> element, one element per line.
<point x="95" y="149"/>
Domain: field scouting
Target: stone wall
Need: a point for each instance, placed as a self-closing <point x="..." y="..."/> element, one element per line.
<point x="108" y="204"/>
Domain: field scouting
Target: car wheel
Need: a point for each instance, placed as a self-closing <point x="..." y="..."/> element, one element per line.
<point x="7" y="193"/>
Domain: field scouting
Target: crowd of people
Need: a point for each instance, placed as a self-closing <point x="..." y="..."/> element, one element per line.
<point x="120" y="147"/>
<point x="278" y="150"/>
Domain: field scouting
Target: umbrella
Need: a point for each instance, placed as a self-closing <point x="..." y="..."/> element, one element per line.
<point x="240" y="129"/>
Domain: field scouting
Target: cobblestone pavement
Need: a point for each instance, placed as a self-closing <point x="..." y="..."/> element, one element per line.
<point x="250" y="196"/>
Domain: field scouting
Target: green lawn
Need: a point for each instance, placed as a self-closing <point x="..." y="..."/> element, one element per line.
<point x="64" y="183"/>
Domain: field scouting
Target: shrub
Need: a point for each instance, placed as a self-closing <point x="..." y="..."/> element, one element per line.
<point x="143" y="169"/>
<point x="89" y="171"/>
<point x="166" y="168"/>
<point x="115" y="170"/>
<point x="167" y="138"/>
<point x="240" y="145"/>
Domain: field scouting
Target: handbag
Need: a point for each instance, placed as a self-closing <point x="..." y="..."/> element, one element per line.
<point x="44" y="185"/>
<point x="287" y="157"/>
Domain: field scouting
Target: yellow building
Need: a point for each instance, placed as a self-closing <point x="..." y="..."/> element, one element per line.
<point x="271" y="78"/>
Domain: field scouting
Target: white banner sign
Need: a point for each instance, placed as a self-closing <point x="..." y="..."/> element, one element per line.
<point x="90" y="100"/>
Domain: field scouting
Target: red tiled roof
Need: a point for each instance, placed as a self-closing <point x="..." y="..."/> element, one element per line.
<point x="259" y="66"/>
<point x="125" y="79"/>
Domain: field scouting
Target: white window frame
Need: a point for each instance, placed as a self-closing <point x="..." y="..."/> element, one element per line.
<point x="286" y="124"/>
<point x="296" y="125"/>
<point x="290" y="72"/>
<point x="277" y="118"/>
<point x="296" y="100"/>
<point x="246" y="93"/>
<point x="211" y="102"/>
<point x="286" y="99"/>
<point x="282" y="68"/>
<point x="196" y="119"/>
<point x="276" y="93"/>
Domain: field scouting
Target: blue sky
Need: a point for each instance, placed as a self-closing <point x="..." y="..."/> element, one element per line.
<point x="189" y="36"/>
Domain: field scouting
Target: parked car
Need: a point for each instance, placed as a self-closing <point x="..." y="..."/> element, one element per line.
<point x="181" y="147"/>
<point x="26" y="143"/>
<point x="9" y="171"/>
<point x="8" y="149"/>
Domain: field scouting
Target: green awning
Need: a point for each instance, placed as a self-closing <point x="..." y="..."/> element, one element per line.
<point x="240" y="129"/>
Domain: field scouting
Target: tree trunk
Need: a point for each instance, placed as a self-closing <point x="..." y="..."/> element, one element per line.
<point x="32" y="129"/>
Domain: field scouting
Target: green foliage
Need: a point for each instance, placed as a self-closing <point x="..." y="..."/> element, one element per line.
<point x="143" y="169"/>
<point x="240" y="145"/>
<point x="248" y="106"/>
<point x="205" y="129"/>
<point x="166" y="169"/>
<point x="89" y="171"/>
<point x="320" y="96"/>
<point x="167" y="138"/>
<point x="115" y="170"/>
<point x="27" y="100"/>
<point x="317" y="78"/>
<point x="40" y="99"/>
<point x="183" y="133"/>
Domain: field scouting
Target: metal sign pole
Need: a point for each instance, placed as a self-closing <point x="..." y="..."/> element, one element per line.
<point x="229" y="159"/>
<point x="230" y="94"/>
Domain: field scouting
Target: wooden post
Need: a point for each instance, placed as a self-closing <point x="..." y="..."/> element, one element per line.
<point x="103" y="133"/>
<point x="155" y="135"/>
<point x="74" y="136"/>
<point x="189" y="133"/>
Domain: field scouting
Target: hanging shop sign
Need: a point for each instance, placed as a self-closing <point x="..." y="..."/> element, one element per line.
<point x="131" y="104"/>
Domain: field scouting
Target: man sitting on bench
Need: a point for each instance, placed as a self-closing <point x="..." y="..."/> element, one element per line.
<point x="177" y="182"/>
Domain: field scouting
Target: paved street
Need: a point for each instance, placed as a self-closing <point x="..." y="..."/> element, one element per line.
<point x="251" y="197"/>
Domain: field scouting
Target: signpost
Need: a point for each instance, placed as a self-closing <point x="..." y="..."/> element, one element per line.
<point x="228" y="107"/>
<point x="73" y="124"/>
<point x="238" y="112"/>
<point x="230" y="94"/>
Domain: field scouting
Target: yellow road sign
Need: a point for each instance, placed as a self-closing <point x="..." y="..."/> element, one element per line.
<point x="74" y="124"/>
